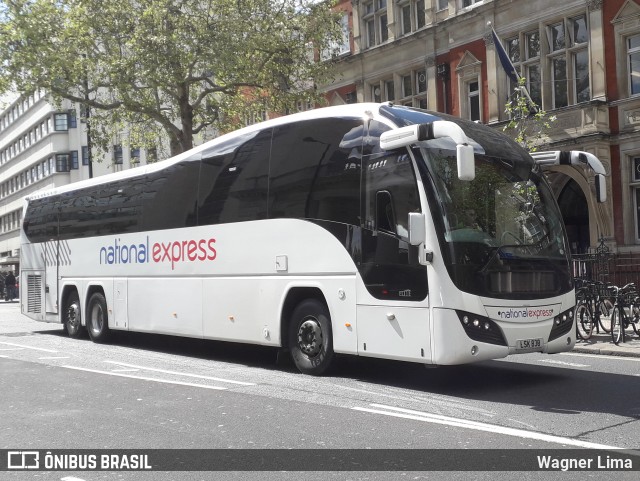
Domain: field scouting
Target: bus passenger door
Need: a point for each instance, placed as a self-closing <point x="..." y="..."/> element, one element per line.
<point x="392" y="311"/>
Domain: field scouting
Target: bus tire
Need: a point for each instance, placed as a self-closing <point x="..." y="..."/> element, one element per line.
<point x="72" y="316"/>
<point x="310" y="337"/>
<point x="98" y="318"/>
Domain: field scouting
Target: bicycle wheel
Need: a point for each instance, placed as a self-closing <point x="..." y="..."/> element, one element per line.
<point x="605" y="308"/>
<point x="617" y="331"/>
<point x="584" y="322"/>
<point x="635" y="319"/>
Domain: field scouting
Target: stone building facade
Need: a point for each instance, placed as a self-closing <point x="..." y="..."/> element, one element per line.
<point x="581" y="61"/>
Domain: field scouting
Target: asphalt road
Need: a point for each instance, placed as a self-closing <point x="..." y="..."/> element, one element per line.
<point x="152" y="392"/>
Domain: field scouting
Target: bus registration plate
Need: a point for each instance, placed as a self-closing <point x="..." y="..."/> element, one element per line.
<point x="528" y="344"/>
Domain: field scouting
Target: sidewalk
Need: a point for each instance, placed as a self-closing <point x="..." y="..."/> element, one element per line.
<point x="602" y="344"/>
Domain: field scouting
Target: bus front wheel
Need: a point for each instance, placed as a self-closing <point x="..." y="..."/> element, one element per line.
<point x="72" y="313"/>
<point x="97" y="318"/>
<point x="310" y="337"/>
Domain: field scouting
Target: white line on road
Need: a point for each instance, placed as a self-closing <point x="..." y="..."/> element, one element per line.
<point x="463" y="423"/>
<point x="12" y="349"/>
<point x="54" y="357"/>
<point x="144" y="368"/>
<point x="562" y="363"/>
<point x="27" y="347"/>
<point x="141" y="378"/>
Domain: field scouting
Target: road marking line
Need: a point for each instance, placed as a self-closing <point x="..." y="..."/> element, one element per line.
<point x="54" y="357"/>
<point x="478" y="426"/>
<point x="181" y="373"/>
<point x="562" y="363"/>
<point x="27" y="347"/>
<point x="152" y="379"/>
<point x="12" y="349"/>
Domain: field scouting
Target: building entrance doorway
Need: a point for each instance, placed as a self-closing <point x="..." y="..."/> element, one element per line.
<point x="575" y="213"/>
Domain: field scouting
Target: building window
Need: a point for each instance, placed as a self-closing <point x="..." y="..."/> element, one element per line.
<point x="524" y="53"/>
<point x="633" y="52"/>
<point x="375" y="22"/>
<point x="73" y="122"/>
<point x="635" y="185"/>
<point x="383" y="90"/>
<point x="85" y="155"/>
<point x="341" y="47"/>
<point x="414" y="89"/>
<point x="152" y="155"/>
<point x="73" y="159"/>
<point x="569" y="59"/>
<point x="411" y="15"/>
<point x="565" y="63"/>
<point x="473" y="100"/>
<point x="468" y="3"/>
<point x="61" y="122"/>
<point x="117" y="154"/>
<point x="62" y="162"/>
<point x="135" y="157"/>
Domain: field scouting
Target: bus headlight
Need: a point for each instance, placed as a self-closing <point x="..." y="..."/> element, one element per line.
<point x="562" y="324"/>
<point x="481" y="328"/>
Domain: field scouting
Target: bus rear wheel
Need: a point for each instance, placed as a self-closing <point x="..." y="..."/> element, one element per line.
<point x="97" y="318"/>
<point x="310" y="337"/>
<point x="72" y="313"/>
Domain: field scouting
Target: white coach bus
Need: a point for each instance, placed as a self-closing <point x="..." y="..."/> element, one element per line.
<point x="368" y="229"/>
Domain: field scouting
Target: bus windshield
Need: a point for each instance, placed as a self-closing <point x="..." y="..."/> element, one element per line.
<point x="501" y="234"/>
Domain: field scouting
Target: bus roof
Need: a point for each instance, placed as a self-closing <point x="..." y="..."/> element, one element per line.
<point x="388" y="112"/>
<point x="351" y="110"/>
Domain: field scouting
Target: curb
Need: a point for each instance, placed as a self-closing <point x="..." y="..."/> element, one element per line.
<point x="609" y="351"/>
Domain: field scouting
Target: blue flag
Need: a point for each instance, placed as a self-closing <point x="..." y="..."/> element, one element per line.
<point x="504" y="58"/>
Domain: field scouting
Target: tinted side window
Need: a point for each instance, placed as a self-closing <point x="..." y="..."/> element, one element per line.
<point x="93" y="211"/>
<point x="390" y="193"/>
<point x="233" y="181"/>
<point x="41" y="220"/>
<point x="170" y="196"/>
<point x="316" y="170"/>
<point x="112" y="208"/>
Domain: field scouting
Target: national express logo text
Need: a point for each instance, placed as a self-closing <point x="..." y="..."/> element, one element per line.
<point x="159" y="252"/>
<point x="525" y="313"/>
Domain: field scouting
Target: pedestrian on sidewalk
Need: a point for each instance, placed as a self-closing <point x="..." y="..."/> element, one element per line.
<point x="10" y="284"/>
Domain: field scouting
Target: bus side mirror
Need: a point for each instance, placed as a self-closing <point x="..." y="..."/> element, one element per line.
<point x="417" y="228"/>
<point x="601" y="188"/>
<point x="576" y="158"/>
<point x="466" y="162"/>
<point x="405" y="136"/>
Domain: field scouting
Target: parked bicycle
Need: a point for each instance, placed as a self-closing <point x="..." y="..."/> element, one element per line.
<point x="626" y="312"/>
<point x="593" y="308"/>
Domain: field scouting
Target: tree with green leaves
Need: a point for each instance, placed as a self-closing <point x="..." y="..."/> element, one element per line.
<point x="528" y="123"/>
<point x="172" y="67"/>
